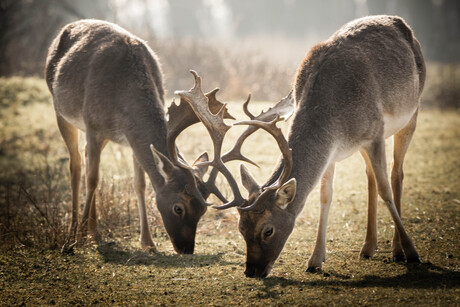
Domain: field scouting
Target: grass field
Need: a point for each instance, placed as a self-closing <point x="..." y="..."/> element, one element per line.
<point x="35" y="206"/>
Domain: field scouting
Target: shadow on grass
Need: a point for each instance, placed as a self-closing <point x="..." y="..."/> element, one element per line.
<point x="417" y="276"/>
<point x="112" y="252"/>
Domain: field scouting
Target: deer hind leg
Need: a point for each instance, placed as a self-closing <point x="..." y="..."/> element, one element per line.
<point x="401" y="141"/>
<point x="70" y="135"/>
<point x="376" y="153"/>
<point x="139" y="188"/>
<point x="370" y="243"/>
<point x="319" y="253"/>
<point x="93" y="151"/>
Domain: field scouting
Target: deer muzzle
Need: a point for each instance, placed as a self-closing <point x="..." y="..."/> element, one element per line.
<point x="259" y="270"/>
<point x="184" y="247"/>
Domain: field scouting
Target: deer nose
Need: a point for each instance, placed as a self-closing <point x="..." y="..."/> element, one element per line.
<point x="250" y="270"/>
<point x="187" y="251"/>
<point x="257" y="270"/>
<point x="184" y="249"/>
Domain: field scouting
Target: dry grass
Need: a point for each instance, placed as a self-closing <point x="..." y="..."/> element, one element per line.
<point x="35" y="201"/>
<point x="442" y="88"/>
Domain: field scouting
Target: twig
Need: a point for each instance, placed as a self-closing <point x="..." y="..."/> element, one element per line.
<point x="127" y="261"/>
<point x="35" y="204"/>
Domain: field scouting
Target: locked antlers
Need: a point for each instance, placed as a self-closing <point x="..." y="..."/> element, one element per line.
<point x="180" y="117"/>
<point x="217" y="129"/>
<point x="266" y="120"/>
<point x="214" y="123"/>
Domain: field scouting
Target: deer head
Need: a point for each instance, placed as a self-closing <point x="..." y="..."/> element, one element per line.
<point x="180" y="200"/>
<point x="265" y="224"/>
<point x="181" y="196"/>
<point x="265" y="221"/>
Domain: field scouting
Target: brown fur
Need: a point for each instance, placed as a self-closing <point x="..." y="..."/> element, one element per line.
<point x="108" y="83"/>
<point x="352" y="91"/>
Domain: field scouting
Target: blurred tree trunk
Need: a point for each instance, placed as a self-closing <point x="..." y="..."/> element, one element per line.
<point x="27" y="28"/>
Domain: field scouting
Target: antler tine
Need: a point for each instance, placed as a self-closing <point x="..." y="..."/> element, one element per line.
<point x="258" y="200"/>
<point x="276" y="132"/>
<point x="284" y="108"/>
<point x="226" y="206"/>
<point x="235" y="152"/>
<point x="245" y="108"/>
<point x="217" y="129"/>
<point x="214" y="123"/>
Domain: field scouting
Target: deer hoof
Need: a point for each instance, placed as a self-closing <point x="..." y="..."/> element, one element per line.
<point x="367" y="251"/>
<point x="415" y="259"/>
<point x="149" y="246"/>
<point x="399" y="258"/>
<point x="151" y="249"/>
<point x="313" y="269"/>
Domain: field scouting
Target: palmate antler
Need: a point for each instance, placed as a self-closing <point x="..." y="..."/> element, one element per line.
<point x="217" y="129"/>
<point x="180" y="117"/>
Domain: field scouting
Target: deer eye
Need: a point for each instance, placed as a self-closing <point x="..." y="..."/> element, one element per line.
<point x="268" y="232"/>
<point x="178" y="209"/>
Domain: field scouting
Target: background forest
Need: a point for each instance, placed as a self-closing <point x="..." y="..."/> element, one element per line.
<point x="243" y="46"/>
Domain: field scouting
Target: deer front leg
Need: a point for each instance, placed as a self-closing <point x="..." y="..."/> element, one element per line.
<point x="139" y="188"/>
<point x="370" y="243"/>
<point x="70" y="135"/>
<point x="376" y="153"/>
<point x="319" y="253"/>
<point x="93" y="151"/>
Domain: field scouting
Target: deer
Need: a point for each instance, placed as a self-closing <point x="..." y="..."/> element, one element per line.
<point x="350" y="93"/>
<point x="108" y="83"/>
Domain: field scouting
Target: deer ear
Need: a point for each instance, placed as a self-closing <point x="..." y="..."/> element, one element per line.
<point x="248" y="180"/>
<point x="200" y="170"/>
<point x="164" y="166"/>
<point x="286" y="193"/>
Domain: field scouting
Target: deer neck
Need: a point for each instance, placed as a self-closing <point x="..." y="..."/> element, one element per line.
<point x="312" y="149"/>
<point x="140" y="134"/>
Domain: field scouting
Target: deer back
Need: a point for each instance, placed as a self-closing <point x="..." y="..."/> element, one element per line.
<point x="104" y="78"/>
<point x="371" y="68"/>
